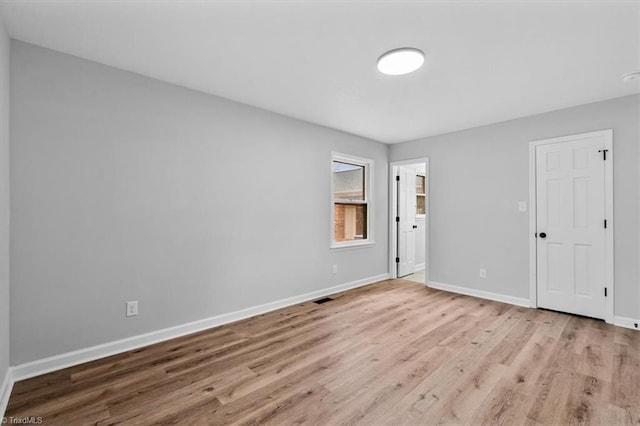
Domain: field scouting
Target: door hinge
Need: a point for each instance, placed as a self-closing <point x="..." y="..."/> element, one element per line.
<point x="605" y="224"/>
<point x="397" y="218"/>
<point x="605" y="292"/>
<point x="398" y="178"/>
<point x="397" y="260"/>
<point x="604" y="153"/>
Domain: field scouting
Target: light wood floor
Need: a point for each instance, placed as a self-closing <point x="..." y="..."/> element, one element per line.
<point x="390" y="353"/>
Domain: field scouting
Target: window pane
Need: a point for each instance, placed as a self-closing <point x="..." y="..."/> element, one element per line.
<point x="348" y="181"/>
<point x="350" y="222"/>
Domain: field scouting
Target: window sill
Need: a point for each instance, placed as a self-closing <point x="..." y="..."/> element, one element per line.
<point x="364" y="244"/>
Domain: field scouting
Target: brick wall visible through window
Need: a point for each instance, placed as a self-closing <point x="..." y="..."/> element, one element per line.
<point x="350" y="200"/>
<point x="350" y="222"/>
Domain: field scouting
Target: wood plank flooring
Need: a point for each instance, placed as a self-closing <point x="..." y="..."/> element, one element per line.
<point x="394" y="352"/>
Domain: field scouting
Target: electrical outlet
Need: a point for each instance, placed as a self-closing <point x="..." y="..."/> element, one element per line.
<point x="132" y="308"/>
<point x="335" y="268"/>
<point x="483" y="273"/>
<point x="522" y="206"/>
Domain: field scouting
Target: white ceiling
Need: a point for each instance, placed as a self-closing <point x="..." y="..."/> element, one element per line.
<point x="485" y="61"/>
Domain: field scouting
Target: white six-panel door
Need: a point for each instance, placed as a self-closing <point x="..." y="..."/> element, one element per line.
<point x="406" y="225"/>
<point x="570" y="213"/>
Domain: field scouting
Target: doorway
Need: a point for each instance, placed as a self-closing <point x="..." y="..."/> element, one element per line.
<point x="409" y="214"/>
<point x="571" y="235"/>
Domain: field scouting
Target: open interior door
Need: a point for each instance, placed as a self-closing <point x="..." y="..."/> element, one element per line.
<point x="406" y="221"/>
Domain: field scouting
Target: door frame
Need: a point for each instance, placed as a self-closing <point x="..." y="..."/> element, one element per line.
<point x="533" y="208"/>
<point x="393" y="211"/>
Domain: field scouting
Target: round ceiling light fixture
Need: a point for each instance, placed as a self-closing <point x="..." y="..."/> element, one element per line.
<point x="630" y="76"/>
<point x="400" y="61"/>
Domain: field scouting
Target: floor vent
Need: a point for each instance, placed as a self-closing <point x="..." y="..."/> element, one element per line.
<point x="324" y="300"/>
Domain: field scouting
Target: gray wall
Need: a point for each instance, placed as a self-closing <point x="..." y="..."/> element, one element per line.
<point x="477" y="177"/>
<point x="4" y="201"/>
<point x="128" y="188"/>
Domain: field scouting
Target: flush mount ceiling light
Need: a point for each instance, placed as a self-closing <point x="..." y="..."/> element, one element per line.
<point x="630" y="76"/>
<point x="400" y="61"/>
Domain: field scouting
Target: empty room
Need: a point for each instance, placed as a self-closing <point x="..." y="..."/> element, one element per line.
<point x="319" y="212"/>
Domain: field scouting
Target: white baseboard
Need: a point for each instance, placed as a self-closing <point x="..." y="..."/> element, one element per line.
<point x="69" y="359"/>
<point x="617" y="320"/>
<point x="420" y="267"/>
<point x="480" y="293"/>
<point x="625" y="322"/>
<point x="5" y="392"/>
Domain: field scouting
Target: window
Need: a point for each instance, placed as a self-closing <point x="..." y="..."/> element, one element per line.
<point x="421" y="195"/>
<point x="351" y="180"/>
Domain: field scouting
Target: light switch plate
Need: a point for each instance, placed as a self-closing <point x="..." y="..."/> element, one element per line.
<point x="522" y="206"/>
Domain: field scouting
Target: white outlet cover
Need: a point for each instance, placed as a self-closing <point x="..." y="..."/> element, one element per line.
<point x="522" y="206"/>
<point x="132" y="308"/>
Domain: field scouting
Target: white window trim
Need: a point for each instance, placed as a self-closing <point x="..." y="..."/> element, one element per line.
<point x="368" y="185"/>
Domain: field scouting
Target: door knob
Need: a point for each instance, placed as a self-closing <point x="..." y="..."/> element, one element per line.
<point x="543" y="235"/>
<point x="415" y="226"/>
